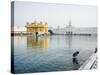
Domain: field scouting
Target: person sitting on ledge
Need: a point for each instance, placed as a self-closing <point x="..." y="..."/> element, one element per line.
<point x="75" y="61"/>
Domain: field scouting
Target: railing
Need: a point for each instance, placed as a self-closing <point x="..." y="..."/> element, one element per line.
<point x="89" y="63"/>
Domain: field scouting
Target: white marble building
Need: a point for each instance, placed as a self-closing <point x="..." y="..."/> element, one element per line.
<point x="75" y="30"/>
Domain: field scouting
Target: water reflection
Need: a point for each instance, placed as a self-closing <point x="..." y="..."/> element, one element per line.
<point x="69" y="38"/>
<point x="53" y="53"/>
<point x="33" y="42"/>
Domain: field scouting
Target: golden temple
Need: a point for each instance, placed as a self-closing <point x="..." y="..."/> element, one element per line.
<point x="37" y="26"/>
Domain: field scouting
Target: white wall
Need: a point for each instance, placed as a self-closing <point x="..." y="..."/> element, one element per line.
<point x="18" y="28"/>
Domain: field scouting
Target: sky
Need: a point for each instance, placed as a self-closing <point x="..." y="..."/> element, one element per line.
<point x="55" y="14"/>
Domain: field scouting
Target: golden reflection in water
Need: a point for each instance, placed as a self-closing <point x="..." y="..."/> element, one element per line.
<point x="39" y="42"/>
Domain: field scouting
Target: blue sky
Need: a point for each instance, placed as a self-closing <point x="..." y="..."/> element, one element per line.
<point x="55" y="14"/>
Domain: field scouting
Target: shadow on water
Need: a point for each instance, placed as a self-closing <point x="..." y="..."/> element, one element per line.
<point x="76" y="63"/>
<point x="75" y="60"/>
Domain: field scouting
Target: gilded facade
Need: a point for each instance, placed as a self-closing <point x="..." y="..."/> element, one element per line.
<point x="37" y="26"/>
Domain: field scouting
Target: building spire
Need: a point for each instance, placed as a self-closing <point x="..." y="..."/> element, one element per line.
<point x="70" y="23"/>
